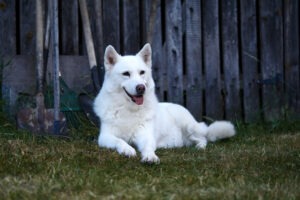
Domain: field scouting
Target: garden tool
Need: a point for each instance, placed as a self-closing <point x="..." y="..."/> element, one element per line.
<point x="40" y="120"/>
<point x="86" y="100"/>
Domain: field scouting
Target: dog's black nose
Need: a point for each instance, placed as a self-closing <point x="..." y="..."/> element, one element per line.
<point x="140" y="89"/>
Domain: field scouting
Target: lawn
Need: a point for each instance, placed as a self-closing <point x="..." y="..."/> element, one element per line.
<point x="261" y="162"/>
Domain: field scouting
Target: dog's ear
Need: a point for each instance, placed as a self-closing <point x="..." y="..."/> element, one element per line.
<point x="145" y="54"/>
<point x="110" y="57"/>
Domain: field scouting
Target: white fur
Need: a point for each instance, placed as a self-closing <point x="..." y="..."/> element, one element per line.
<point x="150" y="125"/>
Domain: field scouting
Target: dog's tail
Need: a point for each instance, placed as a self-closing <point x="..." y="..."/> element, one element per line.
<point x="220" y="130"/>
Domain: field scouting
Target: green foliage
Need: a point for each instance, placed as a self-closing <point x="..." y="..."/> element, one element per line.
<point x="261" y="162"/>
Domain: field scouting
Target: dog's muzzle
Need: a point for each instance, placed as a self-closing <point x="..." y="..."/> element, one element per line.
<point x="139" y="97"/>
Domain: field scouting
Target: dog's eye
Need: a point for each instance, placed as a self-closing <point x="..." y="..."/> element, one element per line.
<point x="142" y="72"/>
<point x="126" y="74"/>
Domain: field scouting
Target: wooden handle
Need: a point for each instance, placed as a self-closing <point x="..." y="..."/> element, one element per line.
<point x="55" y="62"/>
<point x="39" y="45"/>
<point x="87" y="33"/>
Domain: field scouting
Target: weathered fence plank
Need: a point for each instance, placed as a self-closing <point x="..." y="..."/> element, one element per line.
<point x="130" y="27"/>
<point x="69" y="30"/>
<point x="211" y="40"/>
<point x="98" y="35"/>
<point x="27" y="27"/>
<point x="271" y="45"/>
<point x="174" y="50"/>
<point x="249" y="60"/>
<point x="111" y="22"/>
<point x="153" y="35"/>
<point x="8" y="28"/>
<point x="230" y="61"/>
<point x="193" y="58"/>
<point x="291" y="54"/>
<point x="145" y="15"/>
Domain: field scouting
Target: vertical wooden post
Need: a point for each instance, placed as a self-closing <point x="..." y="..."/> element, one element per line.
<point x="130" y="26"/>
<point x="193" y="58"/>
<point x="211" y="40"/>
<point x="271" y="48"/>
<point x="8" y="28"/>
<point x="250" y="60"/>
<point x="69" y="27"/>
<point x="291" y="57"/>
<point x="27" y="27"/>
<point x="174" y="50"/>
<point x="99" y="48"/>
<point x="230" y="55"/>
<point x="111" y="22"/>
<point x="158" y="68"/>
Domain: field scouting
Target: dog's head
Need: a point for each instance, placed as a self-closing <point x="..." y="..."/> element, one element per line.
<point x="130" y="75"/>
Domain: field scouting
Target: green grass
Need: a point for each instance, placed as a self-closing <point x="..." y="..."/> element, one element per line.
<point x="261" y="162"/>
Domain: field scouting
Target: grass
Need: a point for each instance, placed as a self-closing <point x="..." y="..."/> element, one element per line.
<point x="261" y="162"/>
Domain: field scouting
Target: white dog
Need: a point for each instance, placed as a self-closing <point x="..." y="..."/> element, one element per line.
<point x="131" y="114"/>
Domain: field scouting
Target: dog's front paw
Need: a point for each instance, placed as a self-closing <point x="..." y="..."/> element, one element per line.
<point x="201" y="144"/>
<point x="127" y="150"/>
<point x="150" y="158"/>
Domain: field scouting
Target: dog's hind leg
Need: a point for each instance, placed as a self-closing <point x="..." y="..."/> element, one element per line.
<point x="197" y="133"/>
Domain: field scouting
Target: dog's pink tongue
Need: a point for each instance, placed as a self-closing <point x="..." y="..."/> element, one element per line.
<point x="138" y="100"/>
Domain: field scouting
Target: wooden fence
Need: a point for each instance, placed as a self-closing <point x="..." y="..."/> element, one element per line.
<point x="232" y="59"/>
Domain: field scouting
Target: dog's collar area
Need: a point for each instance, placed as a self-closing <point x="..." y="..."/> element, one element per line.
<point x="138" y="99"/>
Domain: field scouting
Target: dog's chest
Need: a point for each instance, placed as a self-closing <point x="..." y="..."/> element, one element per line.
<point x="127" y="122"/>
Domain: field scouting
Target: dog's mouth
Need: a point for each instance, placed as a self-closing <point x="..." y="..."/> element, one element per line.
<point x="138" y="99"/>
